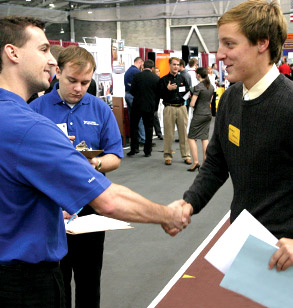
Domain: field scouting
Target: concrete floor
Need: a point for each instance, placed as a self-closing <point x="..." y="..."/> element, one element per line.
<point x="138" y="263"/>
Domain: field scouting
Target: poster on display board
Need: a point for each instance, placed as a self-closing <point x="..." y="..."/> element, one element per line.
<point x="104" y="56"/>
<point x="121" y="44"/>
<point x="123" y="58"/>
<point x="288" y="48"/>
<point x="162" y="62"/>
<point x="101" y="51"/>
<point x="118" y="65"/>
<point x="105" y="88"/>
<point x="118" y="68"/>
<point x="290" y="57"/>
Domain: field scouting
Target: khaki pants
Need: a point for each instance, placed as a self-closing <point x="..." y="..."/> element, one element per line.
<point x="178" y="116"/>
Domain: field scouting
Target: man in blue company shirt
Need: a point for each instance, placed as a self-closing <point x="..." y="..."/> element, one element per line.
<point x="90" y="119"/>
<point x="135" y="68"/>
<point x="41" y="173"/>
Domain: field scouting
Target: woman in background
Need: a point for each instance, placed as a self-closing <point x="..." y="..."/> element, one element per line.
<point x="156" y="71"/>
<point x="201" y="120"/>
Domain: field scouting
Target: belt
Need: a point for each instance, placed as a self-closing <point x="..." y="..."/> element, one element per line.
<point x="25" y="265"/>
<point x="173" y="105"/>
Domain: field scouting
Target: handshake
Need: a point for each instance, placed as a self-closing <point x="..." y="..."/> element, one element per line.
<point x="178" y="218"/>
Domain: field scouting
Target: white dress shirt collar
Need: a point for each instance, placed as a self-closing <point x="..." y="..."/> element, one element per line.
<point x="260" y="87"/>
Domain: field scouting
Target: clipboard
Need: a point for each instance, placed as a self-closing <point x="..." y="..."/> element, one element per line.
<point x="91" y="153"/>
<point x="95" y="223"/>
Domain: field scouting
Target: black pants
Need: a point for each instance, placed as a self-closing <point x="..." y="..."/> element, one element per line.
<point x="148" y="122"/>
<point x="31" y="286"/>
<point x="213" y="105"/>
<point x="157" y="125"/>
<point x="85" y="259"/>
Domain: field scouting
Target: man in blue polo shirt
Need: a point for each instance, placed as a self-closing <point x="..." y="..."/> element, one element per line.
<point x="90" y="119"/>
<point x="41" y="173"/>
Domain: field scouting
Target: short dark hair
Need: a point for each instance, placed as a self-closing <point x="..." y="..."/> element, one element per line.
<point x="192" y="62"/>
<point x="149" y="63"/>
<point x="182" y="62"/>
<point x="13" y="31"/>
<point x="138" y="59"/>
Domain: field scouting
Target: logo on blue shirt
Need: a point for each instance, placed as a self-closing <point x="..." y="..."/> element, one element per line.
<point x="90" y="180"/>
<point x="90" y="123"/>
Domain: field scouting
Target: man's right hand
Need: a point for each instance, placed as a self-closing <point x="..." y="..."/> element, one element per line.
<point x="182" y="212"/>
<point x="171" y="86"/>
<point x="66" y="215"/>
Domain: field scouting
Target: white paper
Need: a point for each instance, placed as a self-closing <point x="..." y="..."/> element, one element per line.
<point x="223" y="253"/>
<point x="63" y="127"/>
<point x="94" y="223"/>
<point x="186" y="96"/>
<point x="182" y="89"/>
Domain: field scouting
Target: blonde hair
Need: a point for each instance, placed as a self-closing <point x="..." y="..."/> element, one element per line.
<point x="258" y="20"/>
<point x="174" y="58"/>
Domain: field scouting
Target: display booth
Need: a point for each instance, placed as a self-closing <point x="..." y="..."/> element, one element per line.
<point x="113" y="59"/>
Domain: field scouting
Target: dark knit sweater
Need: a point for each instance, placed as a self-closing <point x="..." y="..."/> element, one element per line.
<point x="261" y="167"/>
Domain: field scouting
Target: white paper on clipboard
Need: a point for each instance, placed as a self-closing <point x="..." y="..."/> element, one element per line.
<point x="63" y="127"/>
<point x="95" y="223"/>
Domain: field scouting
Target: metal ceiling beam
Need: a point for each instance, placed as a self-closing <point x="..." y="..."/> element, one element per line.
<point x="53" y="16"/>
<point x="57" y="4"/>
<point x="60" y="5"/>
<point x="195" y="28"/>
<point x="99" y="1"/>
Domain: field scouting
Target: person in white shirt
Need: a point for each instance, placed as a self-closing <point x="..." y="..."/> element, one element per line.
<point x="191" y="69"/>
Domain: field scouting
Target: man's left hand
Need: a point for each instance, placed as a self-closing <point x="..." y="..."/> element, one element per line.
<point x="283" y="257"/>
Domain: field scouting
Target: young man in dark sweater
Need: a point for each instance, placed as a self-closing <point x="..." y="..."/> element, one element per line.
<point x="252" y="140"/>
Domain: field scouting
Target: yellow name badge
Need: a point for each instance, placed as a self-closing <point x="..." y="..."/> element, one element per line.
<point x="234" y="135"/>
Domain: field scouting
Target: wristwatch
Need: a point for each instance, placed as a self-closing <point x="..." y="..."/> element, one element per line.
<point x="99" y="166"/>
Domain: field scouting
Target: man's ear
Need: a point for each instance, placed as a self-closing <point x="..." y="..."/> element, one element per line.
<point x="263" y="45"/>
<point x="11" y="52"/>
<point x="58" y="72"/>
